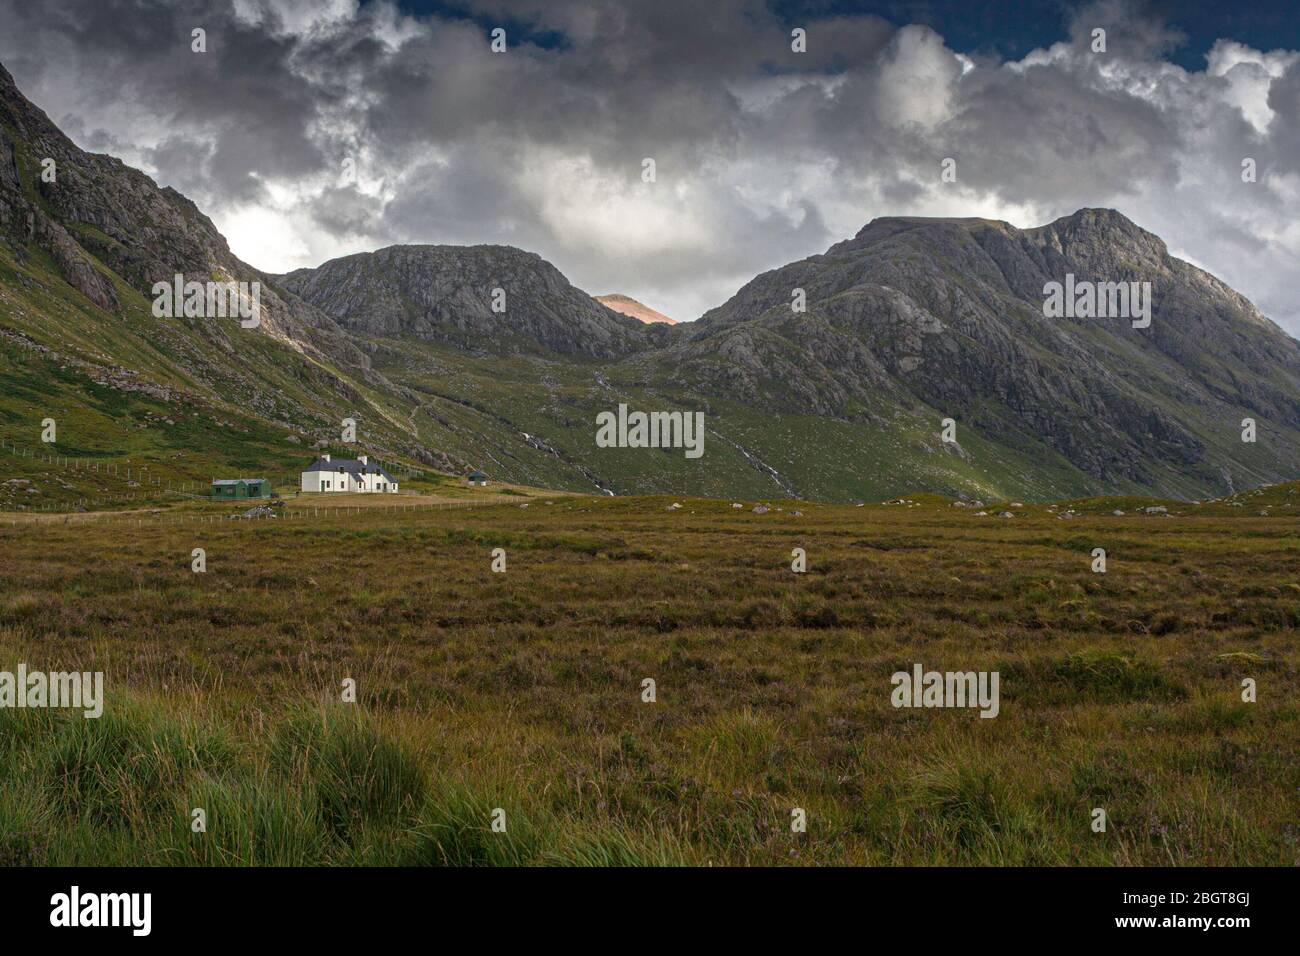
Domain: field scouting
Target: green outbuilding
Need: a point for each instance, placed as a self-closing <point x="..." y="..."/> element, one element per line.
<point x="234" y="489"/>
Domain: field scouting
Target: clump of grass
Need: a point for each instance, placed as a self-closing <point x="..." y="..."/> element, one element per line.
<point x="739" y="747"/>
<point x="1089" y="675"/>
<point x="618" y="846"/>
<point x="962" y="805"/>
<point x="121" y="789"/>
<point x="253" y="821"/>
<point x="962" y="799"/>
<point x="816" y="614"/>
<point x="124" y="765"/>
<point x="455" y="829"/>
<point x="356" y="774"/>
<point x="24" y="826"/>
<point x="1111" y="676"/>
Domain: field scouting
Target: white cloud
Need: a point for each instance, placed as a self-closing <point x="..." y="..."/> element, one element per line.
<point x="1249" y="74"/>
<point x="916" y="78"/>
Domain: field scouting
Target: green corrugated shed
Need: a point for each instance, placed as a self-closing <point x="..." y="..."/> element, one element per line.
<point x="234" y="489"/>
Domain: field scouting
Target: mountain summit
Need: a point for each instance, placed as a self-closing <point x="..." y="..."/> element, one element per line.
<point x="447" y="293"/>
<point x="630" y="306"/>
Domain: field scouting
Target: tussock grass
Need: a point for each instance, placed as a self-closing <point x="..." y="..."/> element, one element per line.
<point x="357" y="775"/>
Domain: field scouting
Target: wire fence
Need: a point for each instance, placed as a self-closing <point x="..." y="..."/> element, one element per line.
<point x="136" y="476"/>
<point x="258" y="513"/>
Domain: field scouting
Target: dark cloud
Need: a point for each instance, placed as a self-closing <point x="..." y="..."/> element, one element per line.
<point x="763" y="155"/>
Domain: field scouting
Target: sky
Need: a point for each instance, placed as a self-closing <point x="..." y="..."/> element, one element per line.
<point x="311" y="129"/>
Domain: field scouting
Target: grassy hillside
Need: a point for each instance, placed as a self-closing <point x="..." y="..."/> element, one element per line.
<point x="166" y="398"/>
<point x="522" y="690"/>
<point x="534" y="420"/>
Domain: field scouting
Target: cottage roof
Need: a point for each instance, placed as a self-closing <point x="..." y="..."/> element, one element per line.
<point x="350" y="465"/>
<point x="235" y="481"/>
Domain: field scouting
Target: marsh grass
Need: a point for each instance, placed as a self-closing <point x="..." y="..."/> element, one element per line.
<point x="521" y="691"/>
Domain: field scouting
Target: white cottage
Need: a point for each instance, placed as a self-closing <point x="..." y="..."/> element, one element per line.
<point x="347" y="474"/>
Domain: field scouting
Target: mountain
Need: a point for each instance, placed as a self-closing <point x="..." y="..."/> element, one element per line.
<point x="948" y="314"/>
<point x="83" y="238"/>
<point x="630" y="306"/>
<point x="95" y="215"/>
<point x="914" y="321"/>
<point x="486" y="356"/>
<point x="446" y="294"/>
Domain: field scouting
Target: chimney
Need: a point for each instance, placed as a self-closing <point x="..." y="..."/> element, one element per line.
<point x="326" y="457"/>
<point x="363" y="459"/>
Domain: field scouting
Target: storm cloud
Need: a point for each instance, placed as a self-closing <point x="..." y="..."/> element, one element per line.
<point x="310" y="130"/>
